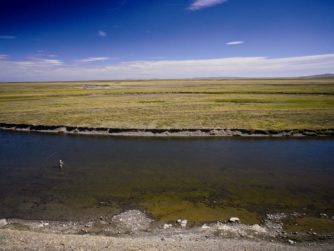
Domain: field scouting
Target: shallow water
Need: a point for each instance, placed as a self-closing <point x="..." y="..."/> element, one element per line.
<point x="203" y="179"/>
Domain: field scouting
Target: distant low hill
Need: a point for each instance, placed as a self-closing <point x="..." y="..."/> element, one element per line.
<point x="326" y="75"/>
<point x="319" y="76"/>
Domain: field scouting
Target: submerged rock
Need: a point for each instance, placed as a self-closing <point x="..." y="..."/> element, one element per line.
<point x="276" y="217"/>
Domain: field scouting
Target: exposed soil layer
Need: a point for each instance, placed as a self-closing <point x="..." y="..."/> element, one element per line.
<point x="186" y="132"/>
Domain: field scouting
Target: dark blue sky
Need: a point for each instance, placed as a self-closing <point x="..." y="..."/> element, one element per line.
<point x="109" y="32"/>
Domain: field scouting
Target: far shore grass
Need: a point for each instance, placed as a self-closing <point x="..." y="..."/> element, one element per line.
<point x="167" y="104"/>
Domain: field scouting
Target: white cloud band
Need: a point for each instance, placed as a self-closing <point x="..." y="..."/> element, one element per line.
<point x="200" y="4"/>
<point x="51" y="69"/>
<point x="102" y="33"/>
<point x="235" y="42"/>
<point x="92" y="59"/>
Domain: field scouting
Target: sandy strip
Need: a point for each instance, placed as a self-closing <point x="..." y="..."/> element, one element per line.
<point x="27" y="240"/>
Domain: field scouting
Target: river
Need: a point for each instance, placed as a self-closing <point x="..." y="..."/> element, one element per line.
<point x="202" y="179"/>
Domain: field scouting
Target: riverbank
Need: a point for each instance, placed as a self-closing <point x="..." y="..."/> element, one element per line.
<point x="133" y="230"/>
<point x="189" y="132"/>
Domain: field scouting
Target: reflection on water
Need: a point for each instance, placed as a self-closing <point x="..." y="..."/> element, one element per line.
<point x="201" y="179"/>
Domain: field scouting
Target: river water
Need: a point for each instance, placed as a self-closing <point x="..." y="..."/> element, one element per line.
<point x="202" y="179"/>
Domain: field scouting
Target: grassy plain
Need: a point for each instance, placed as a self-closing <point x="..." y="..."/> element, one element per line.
<point x="244" y="104"/>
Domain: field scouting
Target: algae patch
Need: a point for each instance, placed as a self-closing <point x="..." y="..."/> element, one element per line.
<point x="170" y="208"/>
<point x="312" y="224"/>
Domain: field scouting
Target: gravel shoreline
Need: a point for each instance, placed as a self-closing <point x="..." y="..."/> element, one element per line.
<point x="133" y="230"/>
<point x="28" y="240"/>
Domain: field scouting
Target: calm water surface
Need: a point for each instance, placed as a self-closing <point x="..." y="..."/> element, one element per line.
<point x="201" y="179"/>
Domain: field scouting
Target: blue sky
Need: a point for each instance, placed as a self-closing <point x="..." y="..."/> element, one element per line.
<point x="73" y="40"/>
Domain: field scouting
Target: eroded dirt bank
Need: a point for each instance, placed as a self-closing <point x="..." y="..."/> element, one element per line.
<point x="187" y="132"/>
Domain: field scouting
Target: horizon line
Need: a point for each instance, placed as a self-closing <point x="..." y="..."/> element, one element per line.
<point x="317" y="76"/>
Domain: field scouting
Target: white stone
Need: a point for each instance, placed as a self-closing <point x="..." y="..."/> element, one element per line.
<point x="323" y="215"/>
<point x="184" y="223"/>
<point x="234" y="220"/>
<point x="291" y="242"/>
<point x="205" y="226"/>
<point x="166" y="226"/>
<point x="3" y="222"/>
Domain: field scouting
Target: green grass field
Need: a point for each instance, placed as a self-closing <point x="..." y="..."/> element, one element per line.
<point x="247" y="104"/>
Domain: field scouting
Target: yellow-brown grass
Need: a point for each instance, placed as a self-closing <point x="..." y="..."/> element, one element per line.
<point x="248" y="104"/>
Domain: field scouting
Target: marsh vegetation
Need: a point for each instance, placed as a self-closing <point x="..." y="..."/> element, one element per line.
<point x="247" y="104"/>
